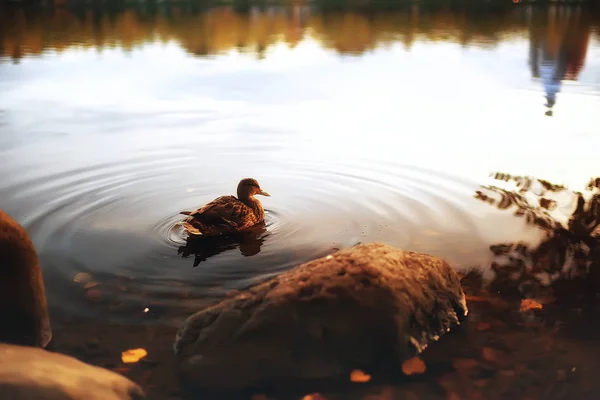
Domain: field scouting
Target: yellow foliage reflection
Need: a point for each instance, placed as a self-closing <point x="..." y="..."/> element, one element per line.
<point x="217" y="30"/>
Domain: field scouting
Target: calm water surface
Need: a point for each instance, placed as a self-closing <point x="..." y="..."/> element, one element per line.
<point x="364" y="126"/>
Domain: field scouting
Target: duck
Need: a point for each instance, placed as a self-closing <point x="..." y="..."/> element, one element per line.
<point x="228" y="215"/>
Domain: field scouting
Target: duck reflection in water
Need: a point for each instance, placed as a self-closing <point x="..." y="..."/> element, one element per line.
<point x="249" y="242"/>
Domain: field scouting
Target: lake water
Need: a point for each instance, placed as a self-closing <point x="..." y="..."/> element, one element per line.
<point x="364" y="125"/>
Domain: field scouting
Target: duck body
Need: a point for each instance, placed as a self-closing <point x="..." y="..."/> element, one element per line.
<point x="227" y="215"/>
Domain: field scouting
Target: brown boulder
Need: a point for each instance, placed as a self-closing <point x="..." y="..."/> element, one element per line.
<point x="360" y="308"/>
<point x="30" y="373"/>
<point x="24" y="315"/>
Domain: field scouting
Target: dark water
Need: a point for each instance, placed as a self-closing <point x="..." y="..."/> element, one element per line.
<point x="364" y="125"/>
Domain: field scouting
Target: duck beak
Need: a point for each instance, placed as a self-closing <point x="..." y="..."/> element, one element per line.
<point x="262" y="192"/>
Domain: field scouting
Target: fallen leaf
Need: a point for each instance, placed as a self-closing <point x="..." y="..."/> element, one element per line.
<point x="82" y="277"/>
<point x="133" y="355"/>
<point x="413" y="366"/>
<point x="530" y="304"/>
<point x="358" y="376"/>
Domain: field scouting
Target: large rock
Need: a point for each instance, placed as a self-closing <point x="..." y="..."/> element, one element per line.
<point x="365" y="307"/>
<point x="23" y="309"/>
<point x="28" y="373"/>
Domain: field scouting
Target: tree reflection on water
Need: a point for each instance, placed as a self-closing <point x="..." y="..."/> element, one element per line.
<point x="570" y="250"/>
<point x="559" y="39"/>
<point x="558" y="36"/>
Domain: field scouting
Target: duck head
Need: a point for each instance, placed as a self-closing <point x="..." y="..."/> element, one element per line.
<point x="249" y="187"/>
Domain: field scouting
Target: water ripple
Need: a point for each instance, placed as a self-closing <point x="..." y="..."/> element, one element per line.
<point x="116" y="219"/>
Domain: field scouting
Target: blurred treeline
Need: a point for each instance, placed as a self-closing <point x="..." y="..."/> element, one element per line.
<point x="203" y="28"/>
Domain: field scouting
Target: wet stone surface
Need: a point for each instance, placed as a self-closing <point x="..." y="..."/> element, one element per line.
<point x="369" y="306"/>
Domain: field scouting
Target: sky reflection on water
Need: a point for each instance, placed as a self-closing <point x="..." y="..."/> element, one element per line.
<point x="363" y="126"/>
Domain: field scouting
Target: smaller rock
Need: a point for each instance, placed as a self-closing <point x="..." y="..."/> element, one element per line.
<point x="30" y="373"/>
<point x="82" y="277"/>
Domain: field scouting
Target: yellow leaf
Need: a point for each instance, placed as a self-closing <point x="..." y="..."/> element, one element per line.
<point x="82" y="277"/>
<point x="133" y="355"/>
<point x="358" y="376"/>
<point x="529" y="304"/>
<point x="413" y="366"/>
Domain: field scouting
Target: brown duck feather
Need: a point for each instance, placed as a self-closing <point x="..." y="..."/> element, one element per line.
<point x="227" y="214"/>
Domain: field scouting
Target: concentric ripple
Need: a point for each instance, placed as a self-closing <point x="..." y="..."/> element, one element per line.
<point x="113" y="218"/>
<point x="99" y="181"/>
